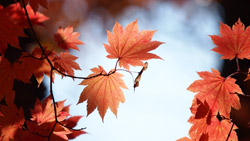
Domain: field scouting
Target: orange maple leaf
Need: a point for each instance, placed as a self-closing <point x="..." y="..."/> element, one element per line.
<point x="207" y="126"/>
<point x="130" y="46"/>
<point x="65" y="63"/>
<point x="233" y="43"/>
<point x="35" y="66"/>
<point x="67" y="39"/>
<point x="103" y="91"/>
<point x="217" y="91"/>
<point x="43" y="121"/>
<point x="44" y="112"/>
<point x="218" y="130"/>
<point x="11" y="121"/>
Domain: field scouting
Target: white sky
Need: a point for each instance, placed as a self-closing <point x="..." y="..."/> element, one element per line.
<point x="159" y="109"/>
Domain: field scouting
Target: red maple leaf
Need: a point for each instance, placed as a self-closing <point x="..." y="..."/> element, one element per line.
<point x="18" y="16"/>
<point x="8" y="73"/>
<point x="40" y="132"/>
<point x="12" y="22"/>
<point x="217" y="91"/>
<point x="67" y="39"/>
<point x="11" y="121"/>
<point x="200" y="119"/>
<point x="233" y="43"/>
<point x="9" y="32"/>
<point x="103" y="91"/>
<point x="130" y="46"/>
<point x="65" y="63"/>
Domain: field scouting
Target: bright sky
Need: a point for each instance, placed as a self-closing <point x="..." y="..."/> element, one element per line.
<point x="159" y="109"/>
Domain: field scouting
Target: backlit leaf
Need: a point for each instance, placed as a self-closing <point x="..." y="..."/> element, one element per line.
<point x="11" y="121"/>
<point x="65" y="63"/>
<point x="217" y="91"/>
<point x="67" y="39"/>
<point x="130" y="46"/>
<point x="233" y="42"/>
<point x="103" y="92"/>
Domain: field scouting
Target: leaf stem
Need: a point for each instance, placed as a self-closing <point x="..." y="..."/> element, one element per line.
<point x="238" y="65"/>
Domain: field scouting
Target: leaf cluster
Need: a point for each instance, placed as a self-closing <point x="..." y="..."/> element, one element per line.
<point x="50" y="120"/>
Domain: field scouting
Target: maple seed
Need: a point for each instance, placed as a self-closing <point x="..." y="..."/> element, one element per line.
<point x="138" y="78"/>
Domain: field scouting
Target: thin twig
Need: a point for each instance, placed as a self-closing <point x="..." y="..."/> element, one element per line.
<point x="232" y="74"/>
<point x="53" y="99"/>
<point x="53" y="68"/>
<point x="78" y="77"/>
<point x="72" y="128"/>
<point x="35" y="36"/>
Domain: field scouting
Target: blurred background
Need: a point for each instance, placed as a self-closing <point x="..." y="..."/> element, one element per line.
<point x="159" y="108"/>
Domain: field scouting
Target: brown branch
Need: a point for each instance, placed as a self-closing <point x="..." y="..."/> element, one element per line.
<point x="54" y="103"/>
<point x="45" y="56"/>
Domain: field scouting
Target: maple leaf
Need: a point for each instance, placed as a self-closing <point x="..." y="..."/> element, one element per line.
<point x="65" y="63"/>
<point x="11" y="121"/>
<point x="217" y="91"/>
<point x="18" y="16"/>
<point x="35" y="4"/>
<point x="40" y="132"/>
<point x="218" y="130"/>
<point x="130" y="46"/>
<point x="9" y="32"/>
<point x="200" y="119"/>
<point x="36" y="66"/>
<point x="67" y="39"/>
<point x="233" y="43"/>
<point x="43" y="120"/>
<point x="103" y="91"/>
<point x="44" y="112"/>
<point x="8" y="73"/>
